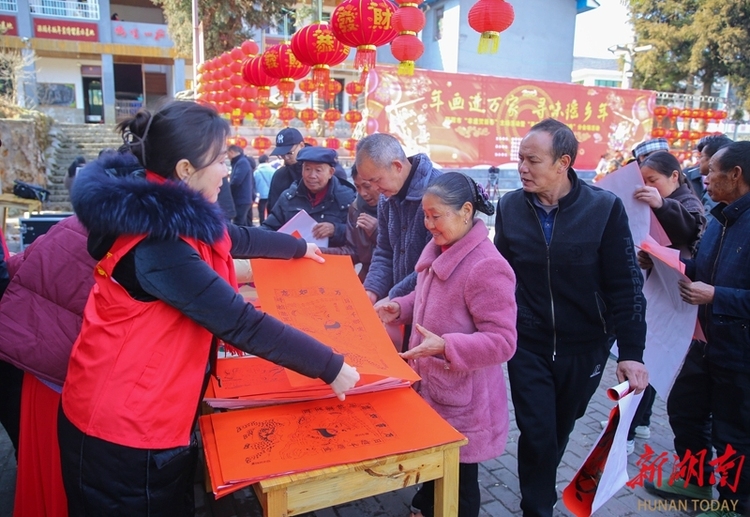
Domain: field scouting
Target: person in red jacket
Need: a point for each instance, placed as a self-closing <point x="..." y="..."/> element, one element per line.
<point x="164" y="300"/>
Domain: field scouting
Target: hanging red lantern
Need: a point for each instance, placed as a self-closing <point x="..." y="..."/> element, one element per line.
<point x="720" y="115"/>
<point x="280" y="62"/>
<point x="698" y="114"/>
<point x="316" y="46"/>
<point x="490" y="18"/>
<point x="366" y="25"/>
<point x="660" y="112"/>
<point x="225" y="59"/>
<point x="332" y="143"/>
<point x="332" y="89"/>
<point x="353" y="117"/>
<point x="407" y="47"/>
<point x="331" y="116"/>
<point x="249" y="48"/>
<point x="670" y="134"/>
<point x="311" y="141"/>
<point x="694" y="135"/>
<point x="261" y="144"/>
<point x="350" y="144"/>
<point x="354" y="89"/>
<point x="710" y="115"/>
<point x="237" y="54"/>
<point x="673" y="114"/>
<point x="285" y="114"/>
<point x="261" y="114"/>
<point x="240" y="141"/>
<point x="254" y="74"/>
<point x="686" y="113"/>
<point x="307" y="86"/>
<point x="658" y="132"/>
<point x="308" y="116"/>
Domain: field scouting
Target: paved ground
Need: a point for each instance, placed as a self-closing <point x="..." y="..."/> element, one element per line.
<point x="498" y="478"/>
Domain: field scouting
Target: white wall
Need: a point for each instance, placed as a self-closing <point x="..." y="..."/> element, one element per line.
<point x="66" y="71"/>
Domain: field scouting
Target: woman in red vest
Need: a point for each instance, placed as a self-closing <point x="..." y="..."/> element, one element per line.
<point x="164" y="297"/>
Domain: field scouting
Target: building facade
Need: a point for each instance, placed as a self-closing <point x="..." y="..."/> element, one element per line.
<point x="91" y="60"/>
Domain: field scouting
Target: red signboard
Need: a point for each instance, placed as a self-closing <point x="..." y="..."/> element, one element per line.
<point x="465" y="120"/>
<point x="65" y="29"/>
<point x="8" y="25"/>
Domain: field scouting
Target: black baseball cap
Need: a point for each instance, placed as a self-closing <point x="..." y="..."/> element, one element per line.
<point x="285" y="140"/>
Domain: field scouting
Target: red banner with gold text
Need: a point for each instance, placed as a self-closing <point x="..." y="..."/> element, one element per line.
<point x="466" y="120"/>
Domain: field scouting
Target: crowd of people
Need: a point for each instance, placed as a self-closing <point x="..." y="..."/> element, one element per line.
<point x="110" y="323"/>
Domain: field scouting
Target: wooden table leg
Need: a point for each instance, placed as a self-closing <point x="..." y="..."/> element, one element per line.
<point x="276" y="503"/>
<point x="446" y="487"/>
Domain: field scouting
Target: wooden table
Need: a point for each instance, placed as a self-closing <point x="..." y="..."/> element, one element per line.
<point x="12" y="201"/>
<point x="308" y="491"/>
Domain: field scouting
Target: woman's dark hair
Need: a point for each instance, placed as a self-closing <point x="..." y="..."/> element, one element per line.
<point x="665" y="164"/>
<point x="79" y="161"/>
<point x="263" y="158"/>
<point x="179" y="130"/>
<point x="454" y="189"/>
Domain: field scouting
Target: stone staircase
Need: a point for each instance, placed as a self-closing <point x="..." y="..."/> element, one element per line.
<point x="76" y="140"/>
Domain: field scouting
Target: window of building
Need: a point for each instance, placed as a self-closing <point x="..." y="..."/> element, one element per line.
<point x="9" y="5"/>
<point x="607" y="83"/>
<point x="63" y="8"/>
<point x="438" y="29"/>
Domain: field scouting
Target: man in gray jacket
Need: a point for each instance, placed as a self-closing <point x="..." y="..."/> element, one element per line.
<point x="401" y="232"/>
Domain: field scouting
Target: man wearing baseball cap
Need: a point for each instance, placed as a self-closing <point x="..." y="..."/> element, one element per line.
<point x="647" y="147"/>
<point x="289" y="141"/>
<point x="322" y="195"/>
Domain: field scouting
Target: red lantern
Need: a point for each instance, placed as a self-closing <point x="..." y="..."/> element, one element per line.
<point x="720" y="115"/>
<point x="332" y="115"/>
<point x="658" y="132"/>
<point x="685" y="134"/>
<point x="240" y="141"/>
<point x="490" y="18"/>
<point x="350" y="144"/>
<point x="686" y="113"/>
<point x="255" y="75"/>
<point x="670" y="134"/>
<point x="311" y="141"/>
<point x="237" y="54"/>
<point x="353" y="117"/>
<point x="710" y="114"/>
<point x="673" y="114"/>
<point x="354" y="89"/>
<point x="307" y="86"/>
<point x="249" y="48"/>
<point x="261" y="115"/>
<point x="279" y="61"/>
<point x="694" y="135"/>
<point x="698" y="114"/>
<point x="333" y="143"/>
<point x="660" y="112"/>
<point x="316" y="46"/>
<point x="225" y="59"/>
<point x="262" y="144"/>
<point x="308" y="116"/>
<point x="364" y="24"/>
<point x="285" y="114"/>
<point x="406" y="47"/>
<point x="332" y="89"/>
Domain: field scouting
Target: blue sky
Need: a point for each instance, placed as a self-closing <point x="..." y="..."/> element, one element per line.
<point x="600" y="28"/>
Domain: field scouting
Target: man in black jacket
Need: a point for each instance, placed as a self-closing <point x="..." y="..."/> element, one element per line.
<point x="242" y="184"/>
<point x="322" y="195"/>
<point x="577" y="282"/>
<point x="289" y="141"/>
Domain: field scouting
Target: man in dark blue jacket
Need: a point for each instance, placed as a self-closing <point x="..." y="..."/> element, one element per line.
<point x="242" y="184"/>
<point x="709" y="405"/>
<point x="577" y="282"/>
<point x="322" y="195"/>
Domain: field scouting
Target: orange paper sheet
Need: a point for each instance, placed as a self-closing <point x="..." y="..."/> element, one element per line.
<point x="328" y="302"/>
<point x="246" y="446"/>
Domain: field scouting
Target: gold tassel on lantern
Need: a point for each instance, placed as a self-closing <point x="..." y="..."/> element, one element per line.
<point x="406" y="68"/>
<point x="489" y="42"/>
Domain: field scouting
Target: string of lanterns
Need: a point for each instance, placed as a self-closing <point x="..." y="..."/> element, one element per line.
<point x="238" y="82"/>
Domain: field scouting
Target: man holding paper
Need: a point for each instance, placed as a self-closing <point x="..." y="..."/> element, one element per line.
<point x="322" y="195"/>
<point x="709" y="403"/>
<point x="577" y="282"/>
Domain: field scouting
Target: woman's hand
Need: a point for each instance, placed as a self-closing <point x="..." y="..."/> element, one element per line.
<point x="644" y="260"/>
<point x="387" y="310"/>
<point x="650" y="196"/>
<point x="432" y="344"/>
<point x="344" y="381"/>
<point x="313" y="252"/>
<point x="323" y="230"/>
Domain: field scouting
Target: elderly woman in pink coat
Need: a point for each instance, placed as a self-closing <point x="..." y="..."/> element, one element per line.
<point x="464" y="315"/>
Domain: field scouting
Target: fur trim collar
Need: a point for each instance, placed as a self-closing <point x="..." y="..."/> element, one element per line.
<point x="123" y="202"/>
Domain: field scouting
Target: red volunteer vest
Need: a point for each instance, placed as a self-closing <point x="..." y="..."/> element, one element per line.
<point x="135" y="373"/>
